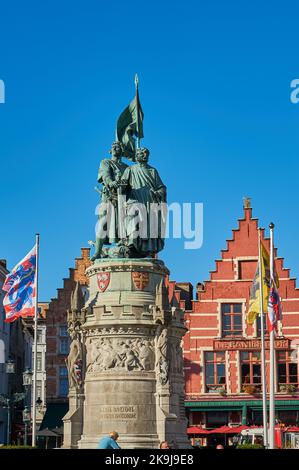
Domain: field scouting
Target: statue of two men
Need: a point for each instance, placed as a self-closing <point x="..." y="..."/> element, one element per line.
<point x="132" y="212"/>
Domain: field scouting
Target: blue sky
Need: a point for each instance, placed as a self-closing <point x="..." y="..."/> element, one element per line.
<point x="215" y="89"/>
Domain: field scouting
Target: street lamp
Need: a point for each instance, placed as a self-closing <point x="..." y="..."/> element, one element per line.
<point x="26" y="420"/>
<point x="27" y="378"/>
<point x="7" y="401"/>
<point x="10" y="366"/>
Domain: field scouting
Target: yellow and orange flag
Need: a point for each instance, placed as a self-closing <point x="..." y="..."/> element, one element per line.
<point x="255" y="292"/>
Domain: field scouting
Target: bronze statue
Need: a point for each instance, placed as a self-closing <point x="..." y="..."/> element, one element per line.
<point x="146" y="198"/>
<point x="110" y="173"/>
<point x="132" y="213"/>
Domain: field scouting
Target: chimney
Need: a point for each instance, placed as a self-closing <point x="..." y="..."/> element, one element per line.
<point x="247" y="202"/>
<point x="3" y="263"/>
<point x="200" y="287"/>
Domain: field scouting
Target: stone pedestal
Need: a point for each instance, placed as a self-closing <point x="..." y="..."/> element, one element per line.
<point x="133" y="361"/>
<point x="73" y="421"/>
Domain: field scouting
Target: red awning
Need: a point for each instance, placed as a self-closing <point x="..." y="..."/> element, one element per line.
<point x="228" y="430"/>
<point x="197" y="430"/>
<point x="292" y="429"/>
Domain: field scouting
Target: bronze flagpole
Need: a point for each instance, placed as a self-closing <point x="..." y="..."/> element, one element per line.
<point x="137" y="109"/>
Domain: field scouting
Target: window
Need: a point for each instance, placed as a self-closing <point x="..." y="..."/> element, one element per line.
<point x="63" y="382"/>
<point x="287" y="370"/>
<point x="63" y="346"/>
<point x="289" y="418"/>
<point x="255" y="418"/>
<point x="215" y="419"/>
<point x="39" y="361"/>
<point x="63" y="340"/>
<point x="231" y="319"/>
<point x="39" y="335"/>
<point x="63" y="330"/>
<point x="38" y="389"/>
<point x="258" y="326"/>
<point x="251" y="371"/>
<point x="246" y="268"/>
<point x="215" y="370"/>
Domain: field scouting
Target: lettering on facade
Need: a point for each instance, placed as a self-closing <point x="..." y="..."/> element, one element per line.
<point x="248" y="345"/>
<point x="119" y="416"/>
<point x="118" y="412"/>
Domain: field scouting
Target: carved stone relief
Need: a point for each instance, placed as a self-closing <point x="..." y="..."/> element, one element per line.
<point x="162" y="355"/>
<point x="119" y="354"/>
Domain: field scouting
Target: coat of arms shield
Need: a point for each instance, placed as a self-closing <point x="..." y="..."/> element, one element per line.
<point x="103" y="281"/>
<point x="140" y="279"/>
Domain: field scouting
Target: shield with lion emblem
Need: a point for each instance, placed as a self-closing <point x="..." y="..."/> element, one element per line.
<point x="140" y="279"/>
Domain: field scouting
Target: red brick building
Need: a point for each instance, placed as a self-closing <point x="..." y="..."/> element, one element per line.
<point x="222" y="353"/>
<point x="57" y="343"/>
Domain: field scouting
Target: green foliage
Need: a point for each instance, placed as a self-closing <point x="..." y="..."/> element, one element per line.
<point x="17" y="447"/>
<point x="288" y="388"/>
<point x="250" y="446"/>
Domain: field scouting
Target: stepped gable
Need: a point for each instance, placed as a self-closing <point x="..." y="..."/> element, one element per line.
<point x="57" y="318"/>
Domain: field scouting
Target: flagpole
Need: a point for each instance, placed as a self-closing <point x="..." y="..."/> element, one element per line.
<point x="265" y="424"/>
<point x="35" y="347"/>
<point x="137" y="101"/>
<point x="272" y="354"/>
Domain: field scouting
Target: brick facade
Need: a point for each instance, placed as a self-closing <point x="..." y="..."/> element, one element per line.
<point x="230" y="400"/>
<point x="56" y="321"/>
<point x="230" y="284"/>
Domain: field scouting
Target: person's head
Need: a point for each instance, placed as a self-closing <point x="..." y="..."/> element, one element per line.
<point x="164" y="445"/>
<point x="219" y="446"/>
<point x="114" y="435"/>
<point x="142" y="155"/>
<point x="116" y="150"/>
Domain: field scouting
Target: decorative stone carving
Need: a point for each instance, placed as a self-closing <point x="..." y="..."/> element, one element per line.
<point x="176" y="357"/>
<point x="74" y="362"/>
<point x="159" y="266"/>
<point x="140" y="279"/>
<point x="117" y="331"/>
<point x="103" y="280"/>
<point x="162" y="355"/>
<point x="129" y="360"/>
<point x="120" y="354"/>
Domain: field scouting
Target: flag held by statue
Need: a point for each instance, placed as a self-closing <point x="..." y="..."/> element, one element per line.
<point x="130" y="125"/>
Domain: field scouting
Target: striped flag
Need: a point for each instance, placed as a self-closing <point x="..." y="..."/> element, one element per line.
<point x="274" y="308"/>
<point x="274" y="303"/>
<point x="20" y="288"/>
